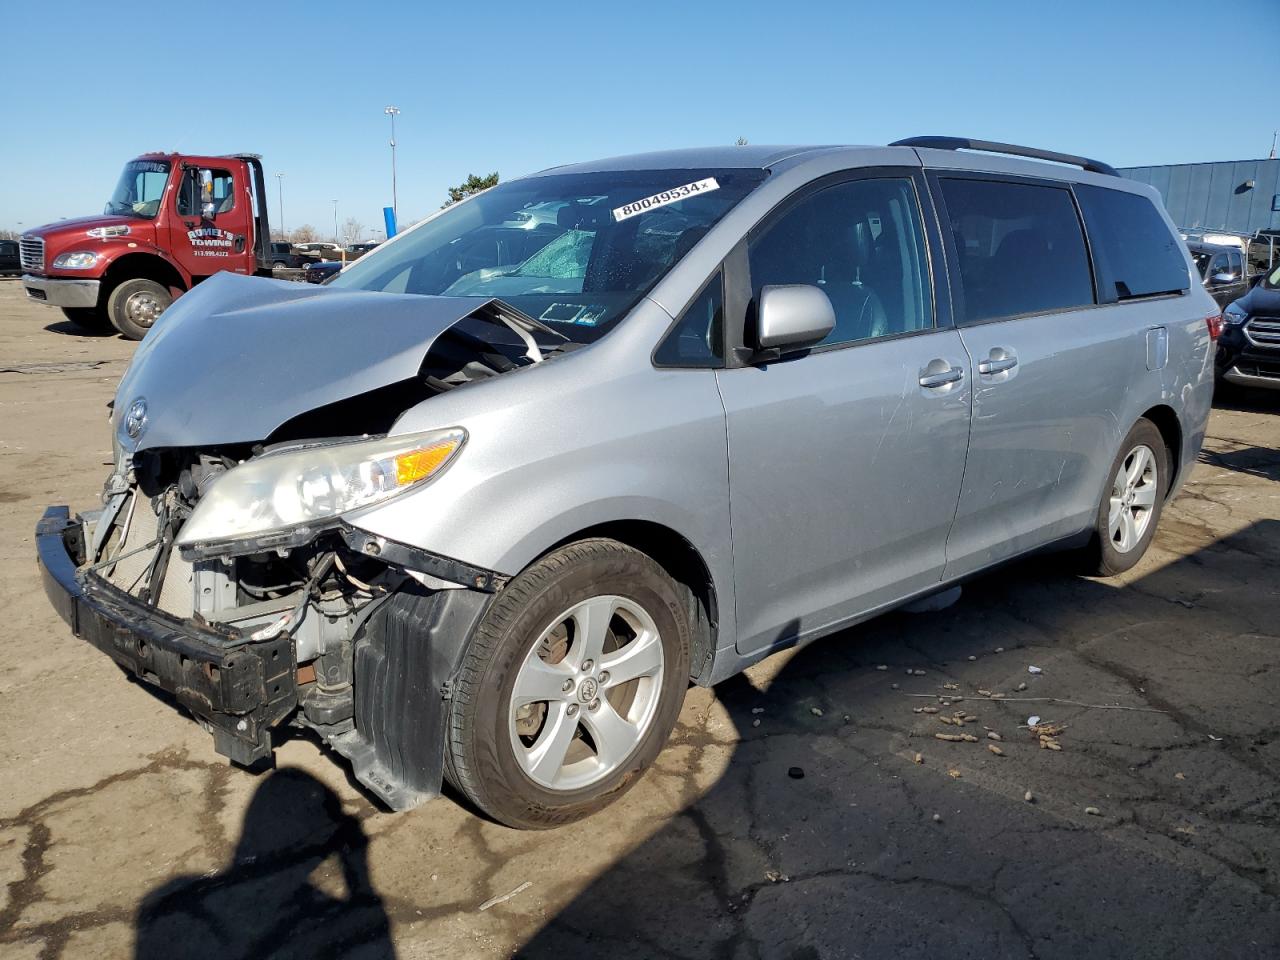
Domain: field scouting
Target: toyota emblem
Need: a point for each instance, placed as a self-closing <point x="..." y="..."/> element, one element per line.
<point x="136" y="419"/>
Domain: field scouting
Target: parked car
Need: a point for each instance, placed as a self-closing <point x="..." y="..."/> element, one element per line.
<point x="737" y="400"/>
<point x="1249" y="349"/>
<point x="321" y="271"/>
<point x="357" y="250"/>
<point x="1221" y="270"/>
<point x="10" y="261"/>
<point x="319" y="248"/>
<point x="282" y="255"/>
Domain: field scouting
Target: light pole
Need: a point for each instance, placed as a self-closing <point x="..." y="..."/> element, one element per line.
<point x="335" y="221"/>
<point x="280" y="196"/>
<point x="392" y="112"/>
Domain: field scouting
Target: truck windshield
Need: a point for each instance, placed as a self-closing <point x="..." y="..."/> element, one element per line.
<point x="140" y="188"/>
<point x="576" y="251"/>
<point x="1201" y="260"/>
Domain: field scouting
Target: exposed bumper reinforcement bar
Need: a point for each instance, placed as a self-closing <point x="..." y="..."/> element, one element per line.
<point x="238" y="689"/>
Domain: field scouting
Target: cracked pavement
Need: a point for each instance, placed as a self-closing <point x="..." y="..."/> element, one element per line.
<point x="123" y="834"/>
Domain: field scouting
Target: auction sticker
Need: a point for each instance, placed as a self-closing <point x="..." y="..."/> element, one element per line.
<point x="674" y="195"/>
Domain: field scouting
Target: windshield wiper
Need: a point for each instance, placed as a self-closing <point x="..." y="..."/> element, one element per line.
<point x="519" y="322"/>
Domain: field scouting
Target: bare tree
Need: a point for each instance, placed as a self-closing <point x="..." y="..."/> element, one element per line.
<point x="6" y="234"/>
<point x="740" y="142"/>
<point x="304" y="234"/>
<point x="351" y="229"/>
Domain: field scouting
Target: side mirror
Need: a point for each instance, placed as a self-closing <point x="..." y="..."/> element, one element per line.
<point x="792" y="317"/>
<point x="1223" y="278"/>
<point x="208" y="209"/>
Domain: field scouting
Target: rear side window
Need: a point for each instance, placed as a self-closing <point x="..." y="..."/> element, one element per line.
<point x="1136" y="253"/>
<point x="1020" y="248"/>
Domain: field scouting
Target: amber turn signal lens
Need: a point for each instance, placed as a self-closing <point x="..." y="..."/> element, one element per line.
<point x="419" y="464"/>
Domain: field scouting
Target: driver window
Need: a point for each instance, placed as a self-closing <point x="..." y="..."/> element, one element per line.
<point x="204" y="187"/>
<point x="1219" y="265"/>
<point x="1236" y="264"/>
<point x="862" y="243"/>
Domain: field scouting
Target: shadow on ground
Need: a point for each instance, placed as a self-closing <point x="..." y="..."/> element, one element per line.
<point x="298" y="886"/>
<point x="75" y="330"/>
<point x="1181" y="858"/>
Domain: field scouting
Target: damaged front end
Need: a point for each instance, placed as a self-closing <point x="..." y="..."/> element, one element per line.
<point x="222" y="569"/>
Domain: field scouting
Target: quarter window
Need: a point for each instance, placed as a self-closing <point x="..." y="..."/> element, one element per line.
<point x="697" y="339"/>
<point x="861" y="242"/>
<point x="1136" y="253"/>
<point x="1019" y="246"/>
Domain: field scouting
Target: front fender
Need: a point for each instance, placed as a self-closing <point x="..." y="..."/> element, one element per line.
<point x="570" y="445"/>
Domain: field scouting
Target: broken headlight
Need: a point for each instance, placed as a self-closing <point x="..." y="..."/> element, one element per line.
<point x="299" y="489"/>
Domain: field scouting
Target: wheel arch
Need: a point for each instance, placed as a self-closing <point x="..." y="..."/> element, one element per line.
<point x="141" y="266"/>
<point x="682" y="561"/>
<point x="1166" y="421"/>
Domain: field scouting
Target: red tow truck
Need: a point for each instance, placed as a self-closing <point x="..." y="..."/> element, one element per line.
<point x="172" y="221"/>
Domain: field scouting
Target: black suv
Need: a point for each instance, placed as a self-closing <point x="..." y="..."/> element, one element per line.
<point x="10" y="266"/>
<point x="282" y="255"/>
<point x="1249" y="349"/>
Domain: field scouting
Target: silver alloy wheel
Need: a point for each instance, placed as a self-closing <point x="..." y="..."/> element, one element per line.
<point x="586" y="693"/>
<point x="143" y="308"/>
<point x="1133" y="498"/>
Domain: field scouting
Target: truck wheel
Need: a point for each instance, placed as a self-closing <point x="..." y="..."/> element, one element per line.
<point x="570" y="686"/>
<point x="135" y="305"/>
<point x="90" y="319"/>
<point x="1131" y="503"/>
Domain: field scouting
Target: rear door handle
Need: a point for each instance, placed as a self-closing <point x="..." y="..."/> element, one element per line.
<point x="997" y="366"/>
<point x="951" y="375"/>
<point x="998" y="361"/>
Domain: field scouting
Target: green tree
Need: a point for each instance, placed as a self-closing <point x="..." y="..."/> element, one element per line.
<point x="472" y="185"/>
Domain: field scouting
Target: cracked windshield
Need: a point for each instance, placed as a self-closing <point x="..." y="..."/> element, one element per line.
<point x="575" y="251"/>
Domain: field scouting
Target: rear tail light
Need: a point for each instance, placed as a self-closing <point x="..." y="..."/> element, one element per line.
<point x="1214" y="323"/>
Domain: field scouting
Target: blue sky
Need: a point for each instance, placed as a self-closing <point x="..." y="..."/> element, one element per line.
<point x="516" y="87"/>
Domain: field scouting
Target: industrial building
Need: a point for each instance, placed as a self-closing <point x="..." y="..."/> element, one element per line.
<point x="1240" y="197"/>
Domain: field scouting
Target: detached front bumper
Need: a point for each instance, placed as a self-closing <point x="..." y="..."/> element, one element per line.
<point x="237" y="688"/>
<point x="61" y="292"/>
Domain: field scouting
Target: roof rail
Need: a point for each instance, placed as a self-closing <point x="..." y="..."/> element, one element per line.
<point x="992" y="146"/>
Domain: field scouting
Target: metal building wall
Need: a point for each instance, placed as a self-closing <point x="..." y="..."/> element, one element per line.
<point x="1213" y="195"/>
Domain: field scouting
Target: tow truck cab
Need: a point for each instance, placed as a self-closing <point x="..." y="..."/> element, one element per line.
<point x="172" y="221"/>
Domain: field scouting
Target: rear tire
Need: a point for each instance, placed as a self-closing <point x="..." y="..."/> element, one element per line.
<point x="1132" y="502"/>
<point x="135" y="305"/>
<point x="575" y="737"/>
<point x="90" y="319"/>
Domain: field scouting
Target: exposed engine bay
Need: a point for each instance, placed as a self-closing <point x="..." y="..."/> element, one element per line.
<point x="315" y="587"/>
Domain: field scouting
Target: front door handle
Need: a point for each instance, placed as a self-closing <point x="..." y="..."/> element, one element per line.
<point x="941" y="378"/>
<point x="998" y="361"/>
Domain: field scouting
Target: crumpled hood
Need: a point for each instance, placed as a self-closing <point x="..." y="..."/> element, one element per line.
<point x="238" y="356"/>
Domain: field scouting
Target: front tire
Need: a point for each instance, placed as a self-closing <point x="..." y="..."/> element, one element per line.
<point x="570" y="686"/>
<point x="135" y="305"/>
<point x="1132" y="501"/>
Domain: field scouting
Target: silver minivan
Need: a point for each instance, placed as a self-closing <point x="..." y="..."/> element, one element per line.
<point x="483" y="507"/>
